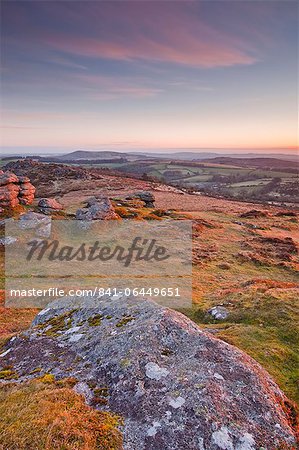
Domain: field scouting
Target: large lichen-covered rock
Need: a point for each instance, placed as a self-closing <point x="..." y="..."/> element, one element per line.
<point x="176" y="386"/>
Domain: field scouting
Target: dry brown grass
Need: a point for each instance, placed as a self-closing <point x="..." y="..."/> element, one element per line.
<point x="13" y="320"/>
<point x="42" y="416"/>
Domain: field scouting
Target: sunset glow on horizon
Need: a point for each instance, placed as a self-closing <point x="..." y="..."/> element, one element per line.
<point x="149" y="75"/>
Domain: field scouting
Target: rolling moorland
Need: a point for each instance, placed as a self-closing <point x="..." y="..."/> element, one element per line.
<point x="241" y="177"/>
<point x="245" y="260"/>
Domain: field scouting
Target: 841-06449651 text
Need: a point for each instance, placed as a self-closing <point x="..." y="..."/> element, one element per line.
<point x="98" y="292"/>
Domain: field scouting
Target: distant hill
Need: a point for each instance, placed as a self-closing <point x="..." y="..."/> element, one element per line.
<point x="249" y="159"/>
<point x="202" y="155"/>
<point x="107" y="155"/>
<point x="186" y="155"/>
<point x="82" y="154"/>
<point x="176" y="155"/>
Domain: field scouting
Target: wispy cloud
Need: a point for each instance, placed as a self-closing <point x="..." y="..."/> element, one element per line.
<point x="168" y="32"/>
<point x="188" y="51"/>
<point x="103" y="87"/>
<point x="64" y="62"/>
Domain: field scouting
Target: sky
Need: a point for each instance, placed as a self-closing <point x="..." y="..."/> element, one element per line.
<point x="134" y="75"/>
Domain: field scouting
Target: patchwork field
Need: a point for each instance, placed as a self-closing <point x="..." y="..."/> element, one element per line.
<point x="220" y="179"/>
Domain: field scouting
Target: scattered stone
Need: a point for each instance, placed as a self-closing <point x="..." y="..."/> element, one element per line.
<point x="218" y="312"/>
<point x="32" y="220"/>
<point x="49" y="205"/>
<point x="147" y="197"/>
<point x="254" y="213"/>
<point x="97" y="208"/>
<point x="177" y="402"/>
<point x="224" y="266"/>
<point x="44" y="231"/>
<point x="237" y="222"/>
<point x="286" y="213"/>
<point x="39" y="222"/>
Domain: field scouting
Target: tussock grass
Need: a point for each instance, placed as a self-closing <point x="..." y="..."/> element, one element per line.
<point x="50" y="416"/>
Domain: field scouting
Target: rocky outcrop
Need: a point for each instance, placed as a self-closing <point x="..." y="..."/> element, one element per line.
<point x="9" y="189"/>
<point x="9" y="195"/>
<point x="27" y="191"/>
<point x="97" y="208"/>
<point x="49" y="172"/>
<point x="49" y="205"/>
<point x="15" y="190"/>
<point x="21" y="165"/>
<point x="176" y="386"/>
<point x="7" y="178"/>
<point x="46" y="176"/>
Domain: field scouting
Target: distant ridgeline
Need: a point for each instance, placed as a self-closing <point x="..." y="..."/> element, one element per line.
<point x="66" y="161"/>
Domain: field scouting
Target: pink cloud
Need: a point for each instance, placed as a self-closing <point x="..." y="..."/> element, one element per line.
<point x="172" y="33"/>
<point x="189" y="51"/>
